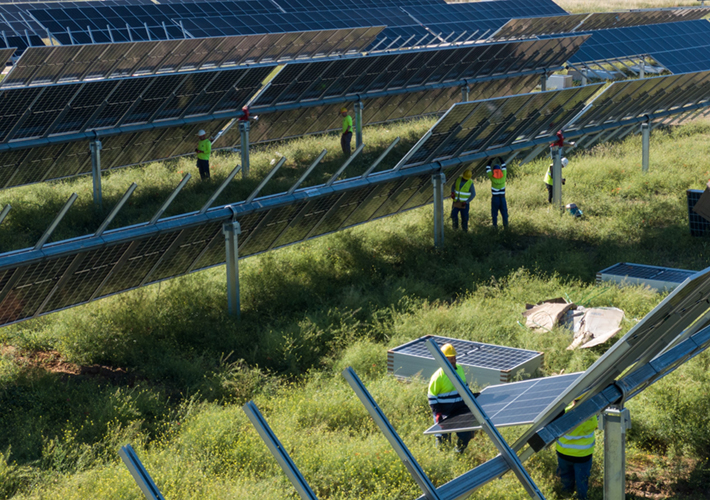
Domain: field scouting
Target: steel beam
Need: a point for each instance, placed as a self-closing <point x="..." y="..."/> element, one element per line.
<point x="244" y="133"/>
<point x="438" y="180"/>
<point x="95" y="147"/>
<point x="231" y="231"/>
<point x="645" y="146"/>
<point x="390" y="433"/>
<point x="556" y="177"/>
<point x="616" y="422"/>
<point x="140" y="475"/>
<point x="358" y="123"/>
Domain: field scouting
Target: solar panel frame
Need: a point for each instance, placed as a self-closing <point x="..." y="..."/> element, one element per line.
<point x="511" y="404"/>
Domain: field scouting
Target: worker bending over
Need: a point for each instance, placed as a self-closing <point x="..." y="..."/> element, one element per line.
<point x="445" y="401"/>
<point x="574" y="456"/>
<point x="204" y="148"/>
<point x="462" y="192"/>
<point x="548" y="180"/>
<point x="347" y="134"/>
<point x="497" y="173"/>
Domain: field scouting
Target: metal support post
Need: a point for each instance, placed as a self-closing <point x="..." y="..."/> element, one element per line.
<point x="231" y="231"/>
<point x="645" y="146"/>
<point x="140" y="475"/>
<point x="543" y="82"/>
<point x="244" y="131"/>
<point x="464" y="93"/>
<point x="642" y="72"/>
<point x="95" y="147"/>
<point x="438" y="181"/>
<point x="616" y="422"/>
<point x="556" y="177"/>
<point x="358" y="123"/>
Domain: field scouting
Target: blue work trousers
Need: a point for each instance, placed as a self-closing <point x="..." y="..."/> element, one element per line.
<point x="574" y="476"/>
<point x="498" y="203"/>
<point x="464" y="217"/>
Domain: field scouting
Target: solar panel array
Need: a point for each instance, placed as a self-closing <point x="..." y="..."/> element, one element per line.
<point x="499" y="123"/>
<point x="151" y="104"/>
<point x="77" y="271"/>
<point x="43" y="111"/>
<point x="681" y="47"/>
<point x="208" y="19"/>
<point x="517" y="403"/>
<point x="539" y="26"/>
<point x="636" y="98"/>
<point x="42" y="65"/>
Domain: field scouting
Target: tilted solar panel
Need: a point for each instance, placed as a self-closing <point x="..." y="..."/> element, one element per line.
<point x="498" y="123"/>
<point x="42" y="65"/>
<point x="517" y="403"/>
<point x="680" y="47"/>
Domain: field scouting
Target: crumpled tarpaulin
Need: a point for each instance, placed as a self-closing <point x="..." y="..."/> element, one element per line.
<point x="591" y="327"/>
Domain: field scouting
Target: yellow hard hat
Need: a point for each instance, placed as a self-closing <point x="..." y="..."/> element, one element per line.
<point x="344" y="110"/>
<point x="466" y="174"/>
<point x="448" y="350"/>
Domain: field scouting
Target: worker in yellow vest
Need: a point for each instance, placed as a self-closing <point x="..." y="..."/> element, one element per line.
<point x="462" y="192"/>
<point x="574" y="456"/>
<point x="203" y="150"/>
<point x="548" y="179"/>
<point x="347" y="134"/>
<point x="445" y="401"/>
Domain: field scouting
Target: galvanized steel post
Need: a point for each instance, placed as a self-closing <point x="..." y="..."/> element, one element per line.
<point x="438" y="181"/>
<point x="231" y="231"/>
<point x="358" y="123"/>
<point x="244" y="131"/>
<point x="645" y="146"/>
<point x="543" y="82"/>
<point x="556" y="176"/>
<point x="616" y="422"/>
<point x="464" y="93"/>
<point x="95" y="147"/>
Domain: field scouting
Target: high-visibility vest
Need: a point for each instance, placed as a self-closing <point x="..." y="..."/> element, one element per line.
<point x="442" y="390"/>
<point x="463" y="193"/>
<point x="579" y="442"/>
<point x="548" y="177"/>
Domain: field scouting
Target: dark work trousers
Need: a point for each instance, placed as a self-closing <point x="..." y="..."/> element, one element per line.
<point x="464" y="437"/>
<point x="498" y="203"/>
<point x="464" y="217"/>
<point x="204" y="167"/>
<point x="549" y="192"/>
<point x="574" y="475"/>
<point x="345" y="142"/>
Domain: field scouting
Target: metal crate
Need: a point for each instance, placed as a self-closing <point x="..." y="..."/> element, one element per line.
<point x="658" y="278"/>
<point x="484" y="364"/>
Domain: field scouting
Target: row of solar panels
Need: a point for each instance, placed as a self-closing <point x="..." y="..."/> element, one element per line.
<point x="94" y="22"/>
<point x="35" y="282"/>
<point x="45" y="129"/>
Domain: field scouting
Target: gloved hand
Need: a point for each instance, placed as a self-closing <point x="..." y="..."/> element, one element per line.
<point x="453" y="196"/>
<point x="564" y="180"/>
<point x="438" y="417"/>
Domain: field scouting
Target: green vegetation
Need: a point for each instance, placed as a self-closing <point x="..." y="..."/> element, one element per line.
<point x="165" y="369"/>
<point x="35" y="206"/>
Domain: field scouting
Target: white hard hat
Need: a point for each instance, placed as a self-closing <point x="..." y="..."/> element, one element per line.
<point x="201" y="132"/>
<point x="564" y="161"/>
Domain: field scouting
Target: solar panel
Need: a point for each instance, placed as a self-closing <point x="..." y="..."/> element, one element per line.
<point x="320" y="119"/>
<point x="329" y="79"/>
<point x="497" y="123"/>
<point x="43" y="111"/>
<point x="516" y="403"/>
<point x="41" y="65"/>
<point x="680" y="46"/>
<point x="539" y="26"/>
<point x="636" y="98"/>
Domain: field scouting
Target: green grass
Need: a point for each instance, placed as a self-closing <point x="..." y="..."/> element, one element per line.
<point x="312" y="309"/>
<point x="35" y="206"/>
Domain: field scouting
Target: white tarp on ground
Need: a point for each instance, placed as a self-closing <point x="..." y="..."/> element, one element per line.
<point x="591" y="327"/>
